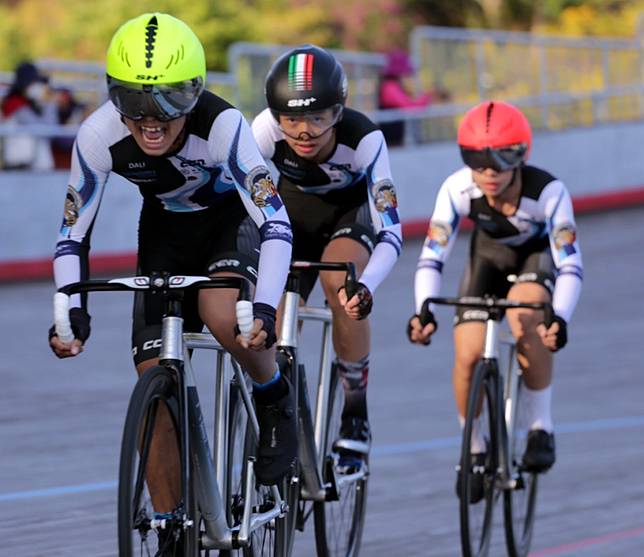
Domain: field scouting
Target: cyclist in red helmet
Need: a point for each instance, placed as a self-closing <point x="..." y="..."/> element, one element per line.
<point x="524" y="229"/>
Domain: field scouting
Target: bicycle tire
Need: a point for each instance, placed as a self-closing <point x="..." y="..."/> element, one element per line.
<point x="272" y="539"/>
<point x="339" y="524"/>
<point x="136" y="536"/>
<point x="519" y="502"/>
<point x="476" y="517"/>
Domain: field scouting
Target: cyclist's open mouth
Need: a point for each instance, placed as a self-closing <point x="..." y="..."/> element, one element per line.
<point x="153" y="136"/>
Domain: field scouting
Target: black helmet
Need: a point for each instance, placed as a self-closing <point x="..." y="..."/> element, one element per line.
<point x="305" y="79"/>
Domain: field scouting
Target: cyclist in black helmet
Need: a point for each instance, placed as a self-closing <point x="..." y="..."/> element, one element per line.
<point x="336" y="184"/>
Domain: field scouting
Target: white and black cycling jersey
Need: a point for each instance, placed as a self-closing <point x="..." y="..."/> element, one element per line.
<point x="218" y="158"/>
<point x="543" y="220"/>
<point x="359" y="161"/>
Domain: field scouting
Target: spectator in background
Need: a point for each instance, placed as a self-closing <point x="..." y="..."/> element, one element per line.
<point x="29" y="100"/>
<point x="393" y="93"/>
<point x="70" y="111"/>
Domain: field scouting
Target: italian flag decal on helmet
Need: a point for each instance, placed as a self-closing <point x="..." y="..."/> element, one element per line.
<point x="300" y="72"/>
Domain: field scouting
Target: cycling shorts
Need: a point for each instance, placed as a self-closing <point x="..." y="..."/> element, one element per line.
<point x="221" y="238"/>
<point x="492" y="264"/>
<point x="318" y="219"/>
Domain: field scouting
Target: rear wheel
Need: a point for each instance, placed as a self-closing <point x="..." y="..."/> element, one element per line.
<point x="520" y="499"/>
<point x="477" y="487"/>
<point x="145" y="527"/>
<point x="339" y="524"/>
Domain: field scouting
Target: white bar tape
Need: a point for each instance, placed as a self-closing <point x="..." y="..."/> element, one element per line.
<point x="61" y="317"/>
<point x="245" y="317"/>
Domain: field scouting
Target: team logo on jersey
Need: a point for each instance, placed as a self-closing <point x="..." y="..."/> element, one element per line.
<point x="300" y="72"/>
<point x="565" y="236"/>
<point x="384" y="196"/>
<point x="262" y="189"/>
<point x="73" y="203"/>
<point x="438" y="235"/>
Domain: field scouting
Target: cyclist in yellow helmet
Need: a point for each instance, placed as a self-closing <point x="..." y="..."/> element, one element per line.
<point x="209" y="207"/>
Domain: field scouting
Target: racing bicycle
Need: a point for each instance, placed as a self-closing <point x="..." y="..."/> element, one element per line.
<point x="495" y="397"/>
<point x="220" y="504"/>
<point x="335" y="496"/>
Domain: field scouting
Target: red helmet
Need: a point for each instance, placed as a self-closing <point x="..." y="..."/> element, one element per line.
<point x="494" y="124"/>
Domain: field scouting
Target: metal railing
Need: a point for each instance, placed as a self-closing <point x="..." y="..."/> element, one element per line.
<point x="559" y="82"/>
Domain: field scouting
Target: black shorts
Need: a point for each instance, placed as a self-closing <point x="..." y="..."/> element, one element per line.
<point x="222" y="238"/>
<point x="492" y="264"/>
<point x="318" y="219"/>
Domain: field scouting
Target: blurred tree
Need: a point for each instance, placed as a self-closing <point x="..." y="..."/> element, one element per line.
<point x="449" y="13"/>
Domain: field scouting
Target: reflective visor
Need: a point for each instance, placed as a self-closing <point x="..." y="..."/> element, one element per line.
<point x="160" y="101"/>
<point x="311" y="124"/>
<point x="501" y="159"/>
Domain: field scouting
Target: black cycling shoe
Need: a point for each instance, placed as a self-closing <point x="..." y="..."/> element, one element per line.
<point x="477" y="480"/>
<point x="353" y="444"/>
<point x="277" y="449"/>
<point x="539" y="454"/>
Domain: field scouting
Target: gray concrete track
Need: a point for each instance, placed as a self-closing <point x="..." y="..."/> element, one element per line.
<point x="60" y="421"/>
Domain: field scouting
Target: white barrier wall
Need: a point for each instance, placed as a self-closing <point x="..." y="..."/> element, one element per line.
<point x="590" y="161"/>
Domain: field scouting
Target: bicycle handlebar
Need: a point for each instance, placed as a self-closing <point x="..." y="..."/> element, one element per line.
<point x="157" y="282"/>
<point x="350" y="282"/>
<point x="487" y="303"/>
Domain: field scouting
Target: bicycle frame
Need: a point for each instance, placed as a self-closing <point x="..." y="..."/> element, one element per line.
<point x="313" y="432"/>
<point x="211" y="467"/>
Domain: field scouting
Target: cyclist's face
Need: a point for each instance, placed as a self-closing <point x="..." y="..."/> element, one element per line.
<point x="491" y="182"/>
<point x="310" y="134"/>
<point x="154" y="137"/>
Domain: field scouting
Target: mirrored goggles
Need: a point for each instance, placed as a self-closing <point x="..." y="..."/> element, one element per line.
<point x="309" y="125"/>
<point x="500" y="160"/>
<point x="161" y="102"/>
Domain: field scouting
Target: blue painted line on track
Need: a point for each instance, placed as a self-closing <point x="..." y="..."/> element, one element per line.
<point x="386" y="450"/>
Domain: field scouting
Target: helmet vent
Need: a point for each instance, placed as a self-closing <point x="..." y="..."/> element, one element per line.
<point x="122" y="54"/>
<point x="150" y="38"/>
<point x="177" y="57"/>
<point x="488" y="116"/>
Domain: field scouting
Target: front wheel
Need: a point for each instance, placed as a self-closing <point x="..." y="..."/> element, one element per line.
<point x="339" y="524"/>
<point x="152" y="515"/>
<point x="519" y="500"/>
<point x="476" y="484"/>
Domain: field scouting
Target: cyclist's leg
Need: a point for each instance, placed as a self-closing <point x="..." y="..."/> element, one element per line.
<point x="233" y="251"/>
<point x="535" y="360"/>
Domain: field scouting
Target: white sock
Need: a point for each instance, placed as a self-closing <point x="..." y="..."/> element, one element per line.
<point x="536" y="407"/>
<point x="477" y="444"/>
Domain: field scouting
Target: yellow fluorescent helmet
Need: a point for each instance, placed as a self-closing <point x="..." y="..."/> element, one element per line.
<point x="155" y="48"/>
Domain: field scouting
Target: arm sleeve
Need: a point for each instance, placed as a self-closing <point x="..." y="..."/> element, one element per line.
<point x="260" y="197"/>
<point x="90" y="167"/>
<point x="266" y="133"/>
<point x="441" y="235"/>
<point x="372" y="155"/>
<point x="564" y="246"/>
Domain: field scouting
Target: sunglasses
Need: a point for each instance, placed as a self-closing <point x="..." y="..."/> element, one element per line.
<point x="500" y="159"/>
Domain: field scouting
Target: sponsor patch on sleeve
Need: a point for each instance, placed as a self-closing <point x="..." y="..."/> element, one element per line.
<point x="262" y="190"/>
<point x="73" y="204"/>
<point x="438" y="235"/>
<point x="565" y="237"/>
<point x="385" y="200"/>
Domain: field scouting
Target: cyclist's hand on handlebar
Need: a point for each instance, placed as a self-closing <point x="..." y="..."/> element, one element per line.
<point x="419" y="333"/>
<point x="555" y="336"/>
<point x="80" y="322"/>
<point x="360" y="304"/>
<point x="65" y="350"/>
<point x="262" y="335"/>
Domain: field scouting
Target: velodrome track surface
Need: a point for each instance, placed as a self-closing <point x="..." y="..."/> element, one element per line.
<point x="60" y="421"/>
